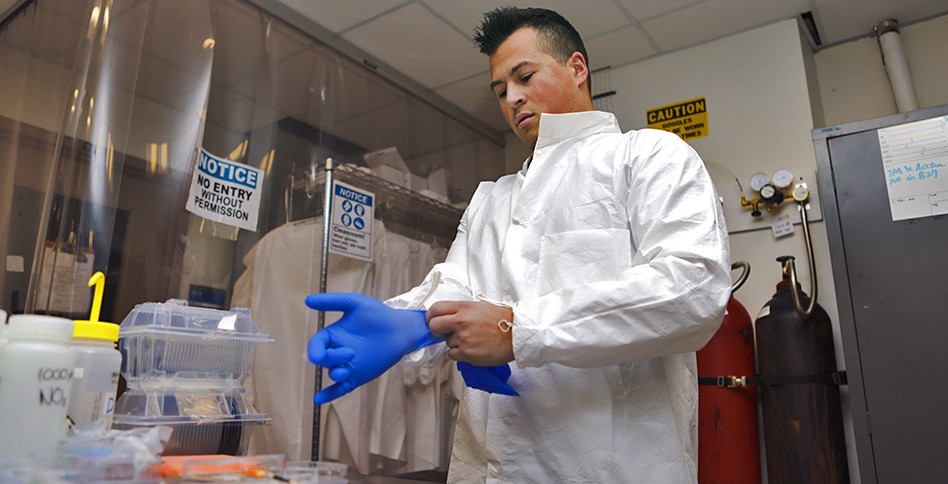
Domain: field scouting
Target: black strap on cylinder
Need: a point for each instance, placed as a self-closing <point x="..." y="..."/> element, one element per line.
<point x="834" y="378"/>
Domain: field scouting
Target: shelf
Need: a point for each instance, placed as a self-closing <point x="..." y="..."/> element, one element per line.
<point x="401" y="210"/>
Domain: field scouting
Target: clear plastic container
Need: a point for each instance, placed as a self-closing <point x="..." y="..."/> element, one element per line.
<point x="209" y="468"/>
<point x="52" y="470"/>
<point x="170" y="345"/>
<point x="204" y="422"/>
<point x="36" y="368"/>
<point x="314" y="472"/>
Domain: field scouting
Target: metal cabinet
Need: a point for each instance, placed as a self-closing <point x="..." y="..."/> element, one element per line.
<point x="892" y="286"/>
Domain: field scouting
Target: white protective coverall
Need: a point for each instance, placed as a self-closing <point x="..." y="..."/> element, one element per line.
<point x="613" y="253"/>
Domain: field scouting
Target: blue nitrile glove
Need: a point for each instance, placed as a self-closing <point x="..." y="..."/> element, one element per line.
<point x="491" y="379"/>
<point x="369" y="339"/>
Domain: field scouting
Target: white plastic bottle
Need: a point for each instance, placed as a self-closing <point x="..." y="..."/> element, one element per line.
<point x="96" y="377"/>
<point x="36" y="368"/>
<point x="98" y="363"/>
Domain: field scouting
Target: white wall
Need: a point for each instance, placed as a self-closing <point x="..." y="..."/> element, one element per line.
<point x="853" y="82"/>
<point x="759" y="120"/>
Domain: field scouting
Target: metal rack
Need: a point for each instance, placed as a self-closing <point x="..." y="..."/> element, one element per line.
<point x="402" y="210"/>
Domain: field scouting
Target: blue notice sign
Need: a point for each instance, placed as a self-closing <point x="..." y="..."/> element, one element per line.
<point x="351" y="221"/>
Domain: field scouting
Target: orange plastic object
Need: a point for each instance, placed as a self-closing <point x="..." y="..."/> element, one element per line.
<point x="173" y="465"/>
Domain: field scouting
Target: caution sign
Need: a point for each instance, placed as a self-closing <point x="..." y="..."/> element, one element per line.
<point x="350" y="231"/>
<point x="688" y="119"/>
<point x="225" y="191"/>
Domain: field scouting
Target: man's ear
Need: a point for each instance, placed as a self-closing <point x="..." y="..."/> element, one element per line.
<point x="577" y="64"/>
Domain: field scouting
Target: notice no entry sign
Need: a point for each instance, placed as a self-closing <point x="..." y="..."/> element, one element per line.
<point x="225" y="191"/>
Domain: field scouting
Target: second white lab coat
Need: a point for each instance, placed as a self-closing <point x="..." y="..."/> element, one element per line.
<point x="612" y="251"/>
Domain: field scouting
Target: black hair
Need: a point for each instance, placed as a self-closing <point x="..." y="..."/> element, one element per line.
<point x="555" y="35"/>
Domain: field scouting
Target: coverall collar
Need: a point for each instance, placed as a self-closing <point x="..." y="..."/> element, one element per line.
<point x="558" y="127"/>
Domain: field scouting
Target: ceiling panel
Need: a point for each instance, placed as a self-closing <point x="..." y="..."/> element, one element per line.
<point x="618" y="48"/>
<point x="265" y="42"/>
<point x="713" y="19"/>
<point x="117" y="64"/>
<point x="475" y="97"/>
<point x="845" y="19"/>
<point x="383" y="128"/>
<point x="238" y="113"/>
<point x="427" y="131"/>
<point x="50" y="34"/>
<point x="589" y="17"/>
<point x="644" y="10"/>
<point x="168" y="84"/>
<point x="362" y="92"/>
<point x="427" y="41"/>
<point x="126" y="37"/>
<point x="187" y="51"/>
<point x="6" y="5"/>
<point x="338" y="15"/>
<point x="240" y="46"/>
<point x="417" y="43"/>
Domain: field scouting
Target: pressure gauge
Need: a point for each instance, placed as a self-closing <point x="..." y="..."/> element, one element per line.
<point x="771" y="195"/>
<point x="782" y="178"/>
<point x="801" y="192"/>
<point x="758" y="181"/>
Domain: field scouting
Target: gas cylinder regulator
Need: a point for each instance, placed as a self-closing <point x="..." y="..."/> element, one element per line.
<point x="771" y="192"/>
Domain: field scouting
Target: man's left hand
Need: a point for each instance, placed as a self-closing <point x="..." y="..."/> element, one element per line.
<point x="473" y="333"/>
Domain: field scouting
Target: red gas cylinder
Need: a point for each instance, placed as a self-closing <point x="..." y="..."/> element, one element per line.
<point x="728" y="447"/>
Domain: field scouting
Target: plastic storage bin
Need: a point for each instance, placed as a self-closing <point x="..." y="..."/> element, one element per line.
<point x="203" y="422"/>
<point x="185" y="367"/>
<point x="173" y="345"/>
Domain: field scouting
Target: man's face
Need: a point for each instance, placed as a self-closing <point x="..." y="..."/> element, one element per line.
<point x="528" y="81"/>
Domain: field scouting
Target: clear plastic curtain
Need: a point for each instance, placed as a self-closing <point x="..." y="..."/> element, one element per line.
<point x="106" y="105"/>
<point x="83" y="83"/>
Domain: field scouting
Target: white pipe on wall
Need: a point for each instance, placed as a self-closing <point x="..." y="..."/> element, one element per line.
<point x="896" y="66"/>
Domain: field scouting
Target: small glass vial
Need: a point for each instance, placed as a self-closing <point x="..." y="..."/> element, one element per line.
<point x="36" y="367"/>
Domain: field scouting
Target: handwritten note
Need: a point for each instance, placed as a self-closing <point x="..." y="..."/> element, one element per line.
<point x="782" y="226"/>
<point x="915" y="160"/>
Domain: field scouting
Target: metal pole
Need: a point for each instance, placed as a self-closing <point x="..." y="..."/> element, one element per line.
<point x="321" y="318"/>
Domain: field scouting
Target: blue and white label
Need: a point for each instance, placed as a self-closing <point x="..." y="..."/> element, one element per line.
<point x="225" y="191"/>
<point x="350" y="231"/>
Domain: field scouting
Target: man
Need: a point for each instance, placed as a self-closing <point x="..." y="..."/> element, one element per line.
<point x="598" y="270"/>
